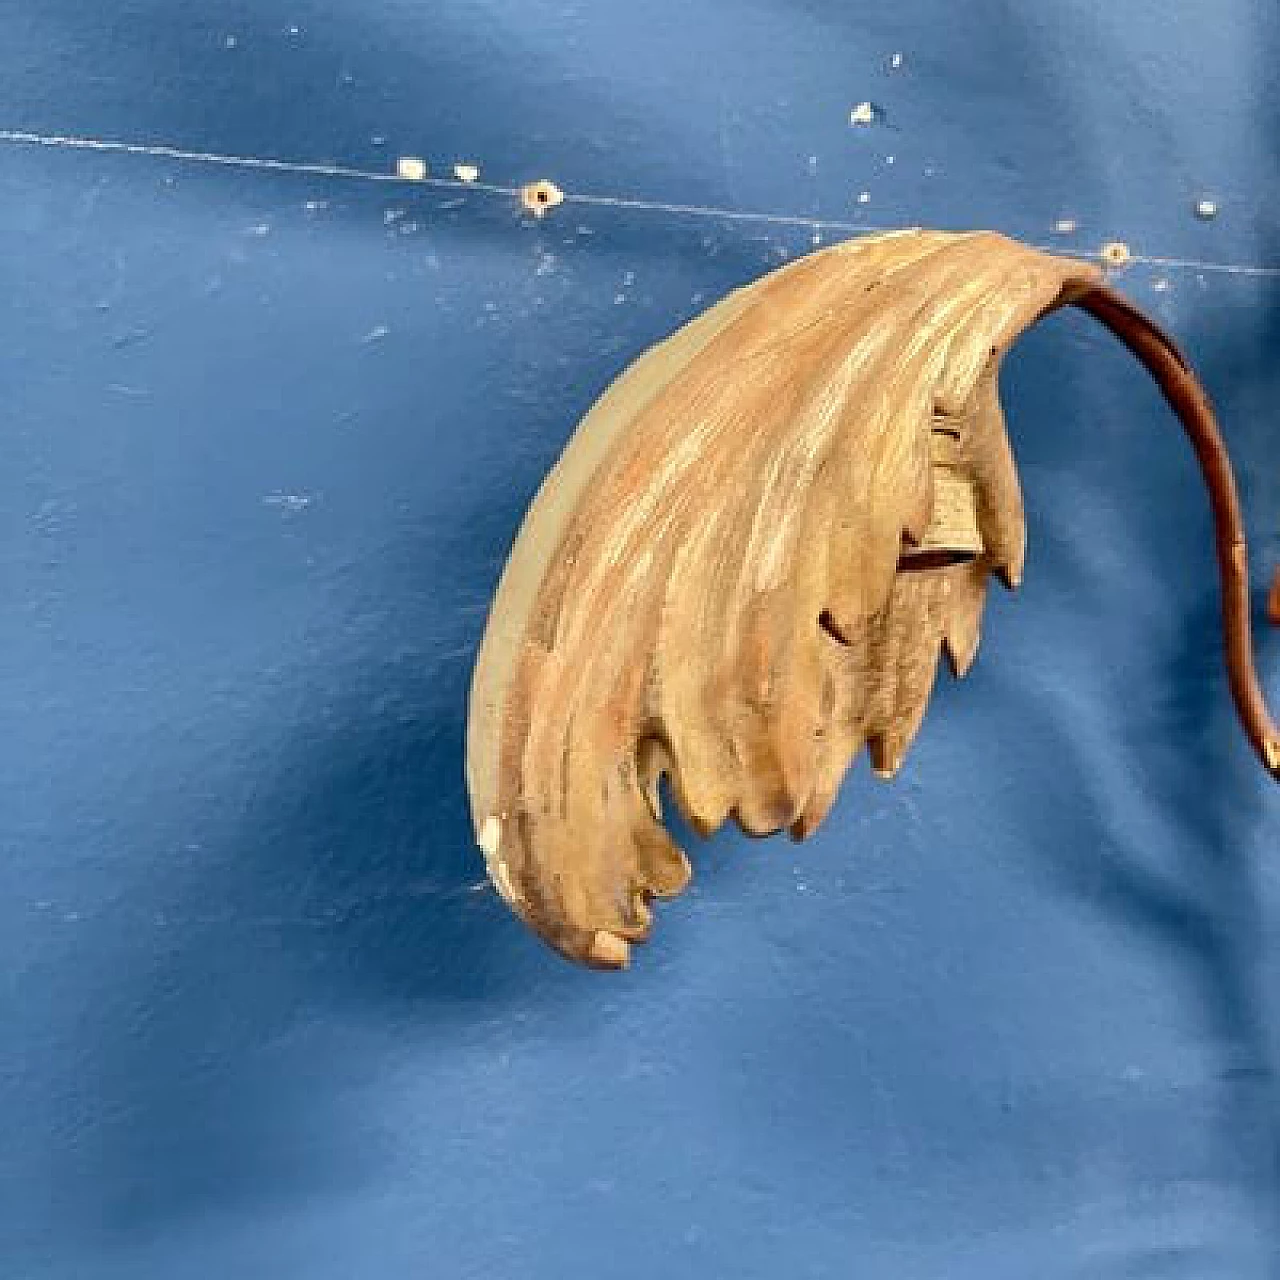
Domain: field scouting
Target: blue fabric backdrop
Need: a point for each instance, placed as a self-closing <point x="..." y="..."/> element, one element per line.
<point x="265" y="440"/>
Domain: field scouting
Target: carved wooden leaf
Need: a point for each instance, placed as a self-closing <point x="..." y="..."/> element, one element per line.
<point x="711" y="583"/>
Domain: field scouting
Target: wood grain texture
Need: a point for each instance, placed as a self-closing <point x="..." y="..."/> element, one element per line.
<point x="722" y="580"/>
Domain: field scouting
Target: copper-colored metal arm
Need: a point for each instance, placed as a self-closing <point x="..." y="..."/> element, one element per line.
<point x="1187" y="398"/>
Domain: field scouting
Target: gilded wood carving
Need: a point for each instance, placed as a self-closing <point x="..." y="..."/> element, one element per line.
<point x="753" y="552"/>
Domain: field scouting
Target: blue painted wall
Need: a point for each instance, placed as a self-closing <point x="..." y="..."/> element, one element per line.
<point x="265" y="441"/>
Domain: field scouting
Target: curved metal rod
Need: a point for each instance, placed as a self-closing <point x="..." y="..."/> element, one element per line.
<point x="1187" y="398"/>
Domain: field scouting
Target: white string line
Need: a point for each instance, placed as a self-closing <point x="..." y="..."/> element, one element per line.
<point x="1194" y="264"/>
<point x="22" y="137"/>
<point x="19" y="137"/>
